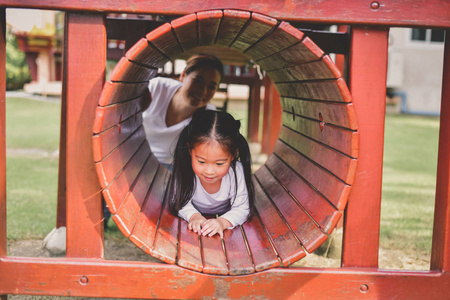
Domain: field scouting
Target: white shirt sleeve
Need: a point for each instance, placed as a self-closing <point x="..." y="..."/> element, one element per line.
<point x="187" y="211"/>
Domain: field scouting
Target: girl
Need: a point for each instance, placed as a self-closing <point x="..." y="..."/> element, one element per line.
<point x="170" y="103"/>
<point x="212" y="174"/>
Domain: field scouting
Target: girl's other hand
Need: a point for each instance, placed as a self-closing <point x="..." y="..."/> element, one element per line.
<point x="195" y="223"/>
<point x="212" y="226"/>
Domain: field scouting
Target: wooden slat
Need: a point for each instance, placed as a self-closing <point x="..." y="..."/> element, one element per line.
<point x="128" y="212"/>
<point x="214" y="260"/>
<point x="164" y="39"/>
<point x="282" y="37"/>
<point x="116" y="92"/>
<point x="143" y="234"/>
<point x="109" y="167"/>
<point x="309" y="234"/>
<point x="208" y="25"/>
<point x="339" y="114"/>
<point x="147" y="54"/>
<point x="115" y="193"/>
<point x="186" y="31"/>
<point x="127" y="71"/>
<point x="189" y="251"/>
<point x="232" y="23"/>
<point x="333" y="189"/>
<point x="288" y="248"/>
<point x="261" y="249"/>
<point x="345" y="141"/>
<point x="106" y="117"/>
<point x="255" y="29"/>
<point x="326" y="90"/>
<point x="105" y="142"/>
<point x="340" y="165"/>
<point x="238" y="257"/>
<point x="300" y="53"/>
<point x="321" y="211"/>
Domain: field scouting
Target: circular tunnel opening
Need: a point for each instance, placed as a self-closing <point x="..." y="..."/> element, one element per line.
<point x="302" y="188"/>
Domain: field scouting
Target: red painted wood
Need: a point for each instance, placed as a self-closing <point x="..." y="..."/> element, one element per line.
<point x="127" y="71"/>
<point x="144" y="232"/>
<point x="309" y="234"/>
<point x="3" y="241"/>
<point x="144" y="53"/>
<point x="189" y="251"/>
<point x="362" y="216"/>
<point x="263" y="254"/>
<point x="335" y="162"/>
<point x="208" y="25"/>
<point x="126" y="215"/>
<point x="288" y="248"/>
<point x="327" y="90"/>
<point x="320" y="210"/>
<point x="238" y="256"/>
<point x="116" y="92"/>
<point x="232" y="23"/>
<point x="162" y="281"/>
<point x="440" y="256"/>
<point x="85" y="77"/>
<point x="271" y="117"/>
<point x="115" y="193"/>
<point x="254" y="105"/>
<point x="393" y="13"/>
<point x="186" y="30"/>
<point x="343" y="140"/>
<point x="164" y="39"/>
<point x="299" y="53"/>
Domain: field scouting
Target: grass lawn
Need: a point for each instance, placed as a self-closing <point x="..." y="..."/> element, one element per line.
<point x="409" y="176"/>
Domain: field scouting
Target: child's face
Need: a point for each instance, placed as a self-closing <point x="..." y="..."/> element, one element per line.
<point x="200" y="85"/>
<point x="210" y="163"/>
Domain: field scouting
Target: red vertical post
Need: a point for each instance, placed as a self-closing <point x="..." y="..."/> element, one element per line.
<point x="3" y="243"/>
<point x="368" y="70"/>
<point x="440" y="250"/>
<point x="271" y="116"/>
<point x="86" y="59"/>
<point x="253" y="112"/>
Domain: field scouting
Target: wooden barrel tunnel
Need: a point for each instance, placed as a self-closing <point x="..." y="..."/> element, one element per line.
<point x="300" y="191"/>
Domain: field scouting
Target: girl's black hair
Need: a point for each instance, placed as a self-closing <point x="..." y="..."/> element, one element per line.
<point x="207" y="126"/>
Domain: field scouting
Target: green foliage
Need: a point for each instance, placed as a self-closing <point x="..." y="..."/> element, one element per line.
<point x="17" y="71"/>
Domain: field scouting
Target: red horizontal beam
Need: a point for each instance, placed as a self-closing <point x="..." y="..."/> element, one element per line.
<point x="99" y="278"/>
<point x="405" y="13"/>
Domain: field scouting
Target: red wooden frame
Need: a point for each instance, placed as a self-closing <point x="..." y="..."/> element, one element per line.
<point x="84" y="273"/>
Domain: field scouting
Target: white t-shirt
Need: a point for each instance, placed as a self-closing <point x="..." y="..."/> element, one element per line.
<point x="234" y="209"/>
<point x="163" y="139"/>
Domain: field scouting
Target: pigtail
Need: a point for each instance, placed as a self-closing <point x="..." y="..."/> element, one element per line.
<point x="246" y="161"/>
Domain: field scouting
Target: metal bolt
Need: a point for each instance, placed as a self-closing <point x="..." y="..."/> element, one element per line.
<point x="375" y="5"/>
<point x="364" y="288"/>
<point x="84" y="280"/>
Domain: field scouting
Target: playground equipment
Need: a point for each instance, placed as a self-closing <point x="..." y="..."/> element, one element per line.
<point x="319" y="121"/>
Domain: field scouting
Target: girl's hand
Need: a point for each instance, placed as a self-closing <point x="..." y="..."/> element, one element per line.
<point x="212" y="226"/>
<point x="195" y="223"/>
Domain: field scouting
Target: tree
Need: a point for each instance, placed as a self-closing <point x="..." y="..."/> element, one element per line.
<point x="17" y="71"/>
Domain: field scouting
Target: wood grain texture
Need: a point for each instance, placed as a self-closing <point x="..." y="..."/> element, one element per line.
<point x="208" y="25"/>
<point x="232" y="24"/>
<point x="116" y="92"/>
<point x="127" y="71"/>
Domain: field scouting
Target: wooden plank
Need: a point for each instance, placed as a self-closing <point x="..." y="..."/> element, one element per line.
<point x="109" y="167"/>
<point x="362" y="217"/>
<point x="186" y="30"/>
<point x="238" y="257"/>
<point x="400" y="13"/>
<point x="255" y="29"/>
<point x="325" y="90"/>
<point x="164" y="39"/>
<point x="145" y="53"/>
<point x="3" y="240"/>
<point x="126" y="216"/>
<point x="306" y="230"/>
<point x="143" y="234"/>
<point x="163" y="281"/>
<point x="115" y="193"/>
<point x="316" y="206"/>
<point x="288" y="248"/>
<point x="299" y="53"/>
<point x="261" y="249"/>
<point x="127" y="71"/>
<point x="280" y="38"/>
<point x="85" y="76"/>
<point x="343" y="140"/>
<point x="440" y="254"/>
<point x="232" y="23"/>
<point x="189" y="251"/>
<point x="208" y="25"/>
<point x="105" y="142"/>
<point x="214" y="259"/>
<point x="338" y="164"/>
<point x="116" y="92"/>
<point x="271" y="117"/>
<point x="339" y="114"/>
